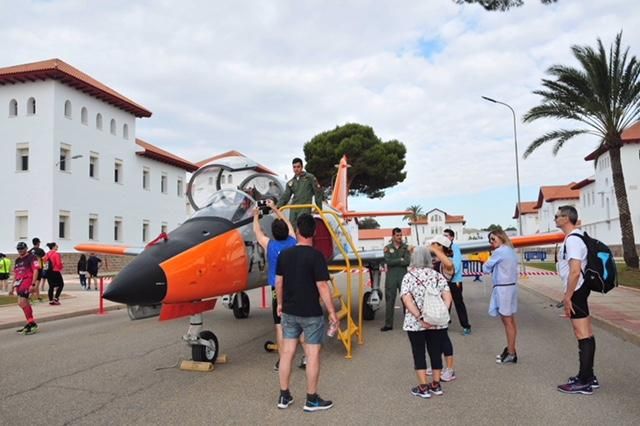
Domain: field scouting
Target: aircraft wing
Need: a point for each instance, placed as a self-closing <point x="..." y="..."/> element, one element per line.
<point x="368" y="257"/>
<point x="518" y="241"/>
<point x="109" y="249"/>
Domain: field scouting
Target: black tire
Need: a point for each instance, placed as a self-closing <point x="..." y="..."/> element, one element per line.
<point x="268" y="346"/>
<point x="368" y="314"/>
<point x="241" y="312"/>
<point x="202" y="353"/>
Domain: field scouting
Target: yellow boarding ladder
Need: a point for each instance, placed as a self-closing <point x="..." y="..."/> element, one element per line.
<point x="342" y="240"/>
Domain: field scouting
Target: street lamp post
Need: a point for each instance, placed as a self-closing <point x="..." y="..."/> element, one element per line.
<point x="515" y="142"/>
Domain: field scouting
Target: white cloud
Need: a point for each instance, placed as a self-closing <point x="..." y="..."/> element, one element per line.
<point x="265" y="77"/>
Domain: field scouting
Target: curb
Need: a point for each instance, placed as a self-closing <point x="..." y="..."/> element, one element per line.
<point x="623" y="333"/>
<point x="64" y="315"/>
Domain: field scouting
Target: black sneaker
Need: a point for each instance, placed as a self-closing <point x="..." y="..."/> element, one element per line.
<point x="32" y="328"/>
<point x="576" y="387"/>
<point x="23" y="328"/>
<point x="422" y="391"/>
<point x="435" y="388"/>
<point x="508" y="359"/>
<point x="303" y="363"/>
<point x="386" y="328"/>
<point x="285" y="400"/>
<point x="504" y="353"/>
<point x="594" y="382"/>
<point x="317" y="405"/>
<point x="276" y="367"/>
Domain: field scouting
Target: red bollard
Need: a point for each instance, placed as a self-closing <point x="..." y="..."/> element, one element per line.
<point x="101" y="311"/>
<point x="264" y="298"/>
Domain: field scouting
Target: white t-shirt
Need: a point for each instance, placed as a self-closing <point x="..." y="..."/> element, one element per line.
<point x="572" y="248"/>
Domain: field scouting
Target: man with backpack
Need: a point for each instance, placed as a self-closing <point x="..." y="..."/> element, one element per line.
<point x="572" y="263"/>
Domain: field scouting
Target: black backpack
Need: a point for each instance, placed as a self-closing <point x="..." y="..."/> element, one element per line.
<point x="600" y="272"/>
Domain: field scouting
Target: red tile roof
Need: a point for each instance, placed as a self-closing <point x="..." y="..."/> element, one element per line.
<point x="232" y="153"/>
<point x="56" y="69"/>
<point x="454" y="219"/>
<point x="583" y="183"/>
<point x="527" y="207"/>
<point x="379" y="234"/>
<point x="630" y="135"/>
<point x="155" y="153"/>
<point x="447" y="219"/>
<point x="557" y="192"/>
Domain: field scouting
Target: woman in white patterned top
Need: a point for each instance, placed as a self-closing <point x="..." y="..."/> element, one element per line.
<point x="423" y="335"/>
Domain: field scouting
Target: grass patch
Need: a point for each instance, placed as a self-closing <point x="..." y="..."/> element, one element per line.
<point x="8" y="300"/>
<point x="626" y="276"/>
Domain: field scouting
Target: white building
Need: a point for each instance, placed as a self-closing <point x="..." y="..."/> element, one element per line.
<point x="597" y="207"/>
<point x="376" y="239"/>
<point x="549" y="199"/>
<point x="72" y="170"/>
<point x="434" y="223"/>
<point x="530" y="219"/>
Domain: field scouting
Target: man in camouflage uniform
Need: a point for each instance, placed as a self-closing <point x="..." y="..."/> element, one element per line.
<point x="397" y="257"/>
<point x="303" y="186"/>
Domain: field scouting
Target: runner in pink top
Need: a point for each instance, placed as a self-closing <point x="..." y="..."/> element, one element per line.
<point x="26" y="276"/>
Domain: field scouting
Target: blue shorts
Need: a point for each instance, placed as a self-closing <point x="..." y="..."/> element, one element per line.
<point x="504" y="301"/>
<point x="312" y="327"/>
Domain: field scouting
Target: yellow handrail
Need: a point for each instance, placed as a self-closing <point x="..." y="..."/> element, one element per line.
<point x="346" y="268"/>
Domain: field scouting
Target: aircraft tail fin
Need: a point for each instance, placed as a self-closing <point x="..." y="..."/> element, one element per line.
<point x="340" y="187"/>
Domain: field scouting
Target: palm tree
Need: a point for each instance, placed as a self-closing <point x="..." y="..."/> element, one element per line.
<point x="603" y="94"/>
<point x="416" y="213"/>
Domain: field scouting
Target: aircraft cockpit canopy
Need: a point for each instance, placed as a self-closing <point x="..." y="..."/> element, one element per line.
<point x="230" y="204"/>
<point x="208" y="186"/>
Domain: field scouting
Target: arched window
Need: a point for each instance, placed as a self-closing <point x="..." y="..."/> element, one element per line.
<point x="31" y="106"/>
<point x="99" y="121"/>
<point x="67" y="109"/>
<point x="222" y="180"/>
<point x="125" y="131"/>
<point x="13" y="108"/>
<point x="84" y="116"/>
<point x="113" y="126"/>
<point x="230" y="179"/>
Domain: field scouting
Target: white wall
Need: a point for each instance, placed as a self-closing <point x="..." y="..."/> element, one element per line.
<point x="51" y="190"/>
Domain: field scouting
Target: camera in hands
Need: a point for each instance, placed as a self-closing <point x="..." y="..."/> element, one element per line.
<point x="263" y="207"/>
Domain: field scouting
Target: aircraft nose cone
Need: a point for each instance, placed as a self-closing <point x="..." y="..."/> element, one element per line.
<point x="140" y="283"/>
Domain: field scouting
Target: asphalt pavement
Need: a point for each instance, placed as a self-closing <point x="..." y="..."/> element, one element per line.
<point x="110" y="370"/>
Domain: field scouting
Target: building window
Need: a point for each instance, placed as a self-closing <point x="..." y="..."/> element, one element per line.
<point x="22" y="225"/>
<point x="117" y="229"/>
<point x="210" y="180"/>
<point x="145" y="231"/>
<point x="13" y="108"/>
<point x="163" y="183"/>
<point x="222" y="180"/>
<point x="145" y="179"/>
<point x="125" y="131"/>
<point x="84" y="116"/>
<point x="99" y="121"/>
<point x="67" y="109"/>
<point x="112" y="126"/>
<point x="164" y="227"/>
<point x="63" y="225"/>
<point x="180" y="190"/>
<point x="93" y="227"/>
<point x="117" y="172"/>
<point x="230" y="179"/>
<point x="64" y="163"/>
<point x="31" y="106"/>
<point x="22" y="158"/>
<point x="93" y="165"/>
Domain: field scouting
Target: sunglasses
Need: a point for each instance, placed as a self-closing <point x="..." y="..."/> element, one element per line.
<point x="492" y="239"/>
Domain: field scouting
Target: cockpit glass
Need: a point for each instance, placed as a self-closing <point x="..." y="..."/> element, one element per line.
<point x="262" y="186"/>
<point x="229" y="204"/>
<point x="203" y="184"/>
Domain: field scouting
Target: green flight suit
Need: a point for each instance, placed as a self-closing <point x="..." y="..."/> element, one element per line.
<point x="397" y="260"/>
<point x="302" y="188"/>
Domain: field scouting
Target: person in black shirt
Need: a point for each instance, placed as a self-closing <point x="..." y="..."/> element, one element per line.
<point x="93" y="264"/>
<point x="38" y="252"/>
<point x="301" y="280"/>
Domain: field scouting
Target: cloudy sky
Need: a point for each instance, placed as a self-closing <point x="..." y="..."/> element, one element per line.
<point x="264" y="77"/>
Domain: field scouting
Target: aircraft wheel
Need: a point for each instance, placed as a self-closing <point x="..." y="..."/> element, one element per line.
<point x="368" y="314"/>
<point x="205" y="353"/>
<point x="241" y="311"/>
<point x="270" y="346"/>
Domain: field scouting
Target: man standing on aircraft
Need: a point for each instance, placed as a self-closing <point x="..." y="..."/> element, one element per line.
<point x="572" y="260"/>
<point x="302" y="279"/>
<point x="283" y="238"/>
<point x="397" y="257"/>
<point x="455" y="284"/>
<point x="303" y="186"/>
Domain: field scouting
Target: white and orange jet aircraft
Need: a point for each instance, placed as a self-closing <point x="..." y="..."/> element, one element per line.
<point x="215" y="252"/>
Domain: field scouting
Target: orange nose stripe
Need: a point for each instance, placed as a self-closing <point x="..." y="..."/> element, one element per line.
<point x="213" y="268"/>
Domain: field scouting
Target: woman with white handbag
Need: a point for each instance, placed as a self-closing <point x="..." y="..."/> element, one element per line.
<point x="426" y="296"/>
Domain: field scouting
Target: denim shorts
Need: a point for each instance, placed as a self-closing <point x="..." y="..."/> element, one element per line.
<point x="312" y="327"/>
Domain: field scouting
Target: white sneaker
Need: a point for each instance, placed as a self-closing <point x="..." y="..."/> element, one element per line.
<point x="429" y="372"/>
<point x="448" y="375"/>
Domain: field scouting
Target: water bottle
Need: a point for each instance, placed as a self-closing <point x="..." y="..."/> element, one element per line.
<point x="333" y="328"/>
